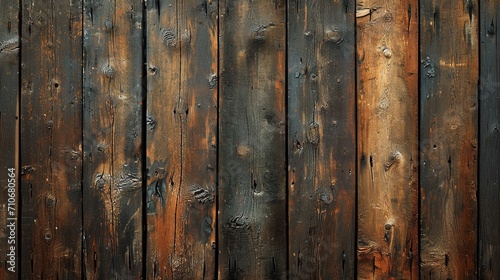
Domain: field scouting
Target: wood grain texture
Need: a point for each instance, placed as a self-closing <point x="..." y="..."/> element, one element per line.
<point x="252" y="183"/>
<point x="448" y="138"/>
<point x="9" y="138"/>
<point x="387" y="53"/>
<point x="113" y="123"/>
<point x="322" y="157"/>
<point x="51" y="139"/>
<point x="489" y="142"/>
<point x="181" y="139"/>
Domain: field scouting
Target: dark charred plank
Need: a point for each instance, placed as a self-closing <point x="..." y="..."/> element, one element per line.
<point x="113" y="109"/>
<point x="252" y="183"/>
<point x="9" y="139"/>
<point x="448" y="138"/>
<point x="387" y="49"/>
<point x="322" y="157"/>
<point x="182" y="39"/>
<point x="489" y="141"/>
<point x="51" y="139"/>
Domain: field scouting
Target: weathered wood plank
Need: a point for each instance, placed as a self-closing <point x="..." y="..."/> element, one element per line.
<point x="489" y="142"/>
<point x="113" y="154"/>
<point x="51" y="139"/>
<point x="387" y="42"/>
<point x="252" y="183"/>
<point x="9" y="139"/>
<point x="182" y="41"/>
<point x="322" y="125"/>
<point x="448" y="138"/>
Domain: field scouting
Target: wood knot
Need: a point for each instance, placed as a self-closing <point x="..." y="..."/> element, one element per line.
<point x="47" y="235"/>
<point x="169" y="38"/>
<point x="202" y="195"/>
<point x="334" y="35"/>
<point x="108" y="70"/>
<point x="108" y="25"/>
<point x="387" y="52"/>
<point x="239" y="222"/>
<point x="313" y="133"/>
<point x="242" y="150"/>
<point x="50" y="200"/>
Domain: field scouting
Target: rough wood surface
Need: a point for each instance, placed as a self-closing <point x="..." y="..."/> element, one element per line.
<point x="51" y="142"/>
<point x="489" y="142"/>
<point x="113" y="154"/>
<point x="387" y="57"/>
<point x="448" y="138"/>
<point x="9" y="139"/>
<point x="252" y="183"/>
<point x="322" y="157"/>
<point x="181" y="139"/>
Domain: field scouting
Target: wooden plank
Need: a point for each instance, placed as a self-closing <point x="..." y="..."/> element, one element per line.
<point x="322" y="159"/>
<point x="387" y="49"/>
<point x="51" y="139"/>
<point x="252" y="166"/>
<point x="489" y="141"/>
<point x="9" y="139"/>
<point x="181" y="138"/>
<point x="113" y="154"/>
<point x="448" y="138"/>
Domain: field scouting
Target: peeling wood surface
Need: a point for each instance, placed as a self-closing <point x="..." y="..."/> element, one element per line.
<point x="9" y="136"/>
<point x="206" y="139"/>
<point x="321" y="112"/>
<point x="181" y="139"/>
<point x="489" y="141"/>
<point x="449" y="138"/>
<point x="112" y="133"/>
<point x="51" y="143"/>
<point x="252" y="187"/>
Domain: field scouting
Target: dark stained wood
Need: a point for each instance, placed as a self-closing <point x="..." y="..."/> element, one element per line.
<point x="113" y="154"/>
<point x="322" y="157"/>
<point x="489" y="142"/>
<point x="181" y="139"/>
<point x="9" y="139"/>
<point x="252" y="183"/>
<point x="51" y="139"/>
<point x="448" y="138"/>
<point x="387" y="63"/>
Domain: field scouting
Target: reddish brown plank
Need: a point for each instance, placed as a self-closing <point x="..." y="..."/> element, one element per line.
<point x="322" y="126"/>
<point x="387" y="49"/>
<point x="113" y="123"/>
<point x="448" y="133"/>
<point x="489" y="142"/>
<point x="9" y="139"/>
<point x="51" y="139"/>
<point x="252" y="147"/>
<point x="182" y="41"/>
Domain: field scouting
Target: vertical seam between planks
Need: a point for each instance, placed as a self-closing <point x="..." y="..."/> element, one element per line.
<point x="144" y="97"/>
<point x="217" y="165"/>
<point x="287" y="156"/>
<point x="82" y="120"/>
<point x="419" y="147"/>
<point x="478" y="162"/>
<point x="356" y="226"/>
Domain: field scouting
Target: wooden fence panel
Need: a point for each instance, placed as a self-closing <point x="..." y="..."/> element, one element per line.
<point x="113" y="152"/>
<point x="51" y="142"/>
<point x="181" y="139"/>
<point x="489" y="142"/>
<point x="322" y="157"/>
<point x="252" y="183"/>
<point x="9" y="139"/>
<point x="448" y="133"/>
<point x="387" y="49"/>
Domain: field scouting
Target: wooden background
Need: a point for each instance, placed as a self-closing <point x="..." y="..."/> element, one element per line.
<point x="251" y="139"/>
